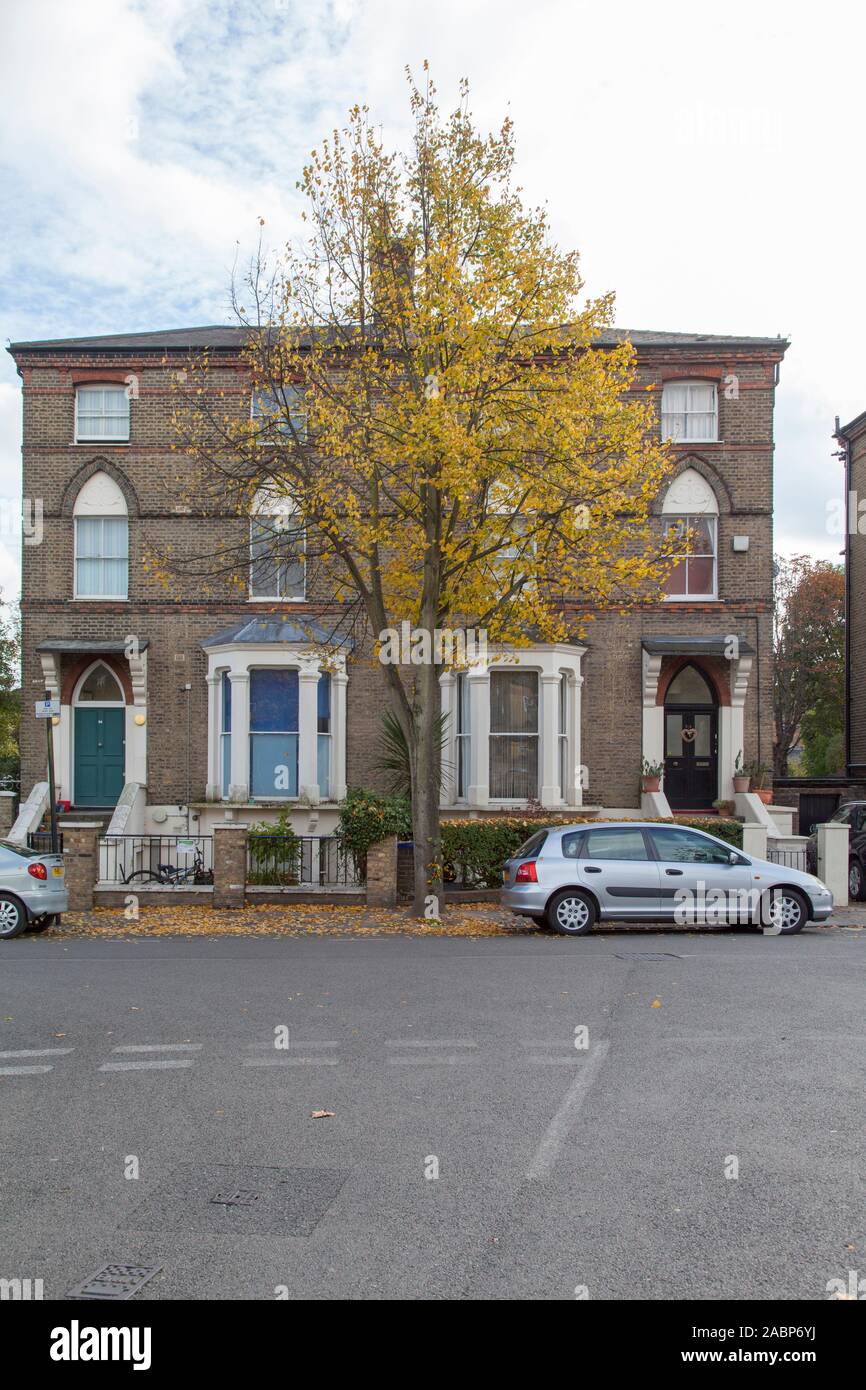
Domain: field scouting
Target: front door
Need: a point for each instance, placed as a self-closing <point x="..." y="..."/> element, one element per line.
<point x="99" y="755"/>
<point x="691" y="758"/>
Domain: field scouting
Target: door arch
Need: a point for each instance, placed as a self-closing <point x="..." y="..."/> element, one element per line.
<point x="691" y="740"/>
<point x="99" y="742"/>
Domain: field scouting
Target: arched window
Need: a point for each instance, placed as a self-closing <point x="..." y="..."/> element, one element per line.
<point x="277" y="546"/>
<point x="689" y="687"/>
<point x="691" y="513"/>
<point x="101" y="540"/>
<point x="690" y="411"/>
<point x="100" y="687"/>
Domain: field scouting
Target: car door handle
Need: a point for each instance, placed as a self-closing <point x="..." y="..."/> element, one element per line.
<point x="674" y="871"/>
<point x="591" y="869"/>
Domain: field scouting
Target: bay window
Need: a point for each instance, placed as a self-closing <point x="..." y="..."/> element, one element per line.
<point x="462" y="735"/>
<point x="274" y="733"/>
<point x="513" y="735"/>
<point x="323" y="733"/>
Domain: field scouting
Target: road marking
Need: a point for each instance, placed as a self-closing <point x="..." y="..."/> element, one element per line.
<point x="305" y="1042"/>
<point x="440" y="1061"/>
<point x="557" y="1131"/>
<point x="23" y="1071"/>
<point x="159" y="1047"/>
<point x="430" y="1042"/>
<point x="143" y="1066"/>
<point x="292" y="1062"/>
<point x="39" y="1052"/>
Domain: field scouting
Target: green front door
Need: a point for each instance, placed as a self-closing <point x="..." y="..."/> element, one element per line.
<point x="99" y="760"/>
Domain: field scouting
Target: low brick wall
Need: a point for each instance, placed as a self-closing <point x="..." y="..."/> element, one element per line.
<point x="382" y="873"/>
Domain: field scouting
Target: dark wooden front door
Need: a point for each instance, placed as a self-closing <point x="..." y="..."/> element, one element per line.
<point x="691" y="757"/>
<point x="99" y="757"/>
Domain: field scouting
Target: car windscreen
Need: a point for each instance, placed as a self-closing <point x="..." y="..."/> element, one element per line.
<point x="19" y="849"/>
<point x="532" y="845"/>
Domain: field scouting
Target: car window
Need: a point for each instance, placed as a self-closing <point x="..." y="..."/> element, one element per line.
<point x="532" y="845"/>
<point x="571" y="844"/>
<point x="17" y="851"/>
<point x="841" y="816"/>
<point x="685" y="847"/>
<point x="615" y="844"/>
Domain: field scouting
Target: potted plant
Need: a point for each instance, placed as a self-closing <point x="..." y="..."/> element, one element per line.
<point x="650" y="776"/>
<point x="725" y="808"/>
<point x="741" y="774"/>
<point x="758" y="774"/>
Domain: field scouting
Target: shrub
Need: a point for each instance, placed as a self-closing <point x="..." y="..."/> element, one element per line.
<point x="366" y="818"/>
<point x="274" y="852"/>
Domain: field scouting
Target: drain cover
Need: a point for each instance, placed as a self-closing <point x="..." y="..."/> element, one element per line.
<point x="647" y="955"/>
<point x="116" y="1282"/>
<point x="241" y="1198"/>
<point x="222" y="1198"/>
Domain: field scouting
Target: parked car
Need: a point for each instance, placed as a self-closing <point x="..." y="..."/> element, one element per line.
<point x="32" y="890"/>
<point x="570" y="877"/>
<point x="852" y="814"/>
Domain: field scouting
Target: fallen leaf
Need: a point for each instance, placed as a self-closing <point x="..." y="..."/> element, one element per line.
<point x="321" y="1114"/>
<point x="656" y="1004"/>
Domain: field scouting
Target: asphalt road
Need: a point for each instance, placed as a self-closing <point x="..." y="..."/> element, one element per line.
<point x="559" y="1167"/>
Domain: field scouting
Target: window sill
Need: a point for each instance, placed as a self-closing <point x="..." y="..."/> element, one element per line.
<point x="691" y="442"/>
<point x="99" y="598"/>
<point x="692" y="598"/>
<point x="106" y="443"/>
<point x="275" y="598"/>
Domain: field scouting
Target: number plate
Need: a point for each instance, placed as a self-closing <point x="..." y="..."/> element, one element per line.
<point x="57" y="870"/>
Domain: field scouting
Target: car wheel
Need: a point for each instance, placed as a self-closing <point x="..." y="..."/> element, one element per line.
<point x="571" y="912"/>
<point x="855" y="880"/>
<point x="13" y="918"/>
<point x="43" y="922"/>
<point x="787" y="911"/>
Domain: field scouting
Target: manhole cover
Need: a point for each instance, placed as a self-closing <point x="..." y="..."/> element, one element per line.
<point x="647" y="955"/>
<point x="115" y="1282"/>
<point x="220" y="1198"/>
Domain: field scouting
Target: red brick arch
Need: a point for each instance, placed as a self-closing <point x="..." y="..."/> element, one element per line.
<point x="713" y="668"/>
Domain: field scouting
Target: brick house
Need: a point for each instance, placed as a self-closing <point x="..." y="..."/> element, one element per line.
<point x="177" y="702"/>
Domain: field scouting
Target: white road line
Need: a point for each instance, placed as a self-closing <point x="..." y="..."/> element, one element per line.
<point x="430" y="1042"/>
<point x="305" y="1042"/>
<point x="23" y="1071"/>
<point x="431" y="1061"/>
<point x="292" y="1062"/>
<point x="554" y="1061"/>
<point x="159" y="1047"/>
<point x="40" y="1052"/>
<point x="557" y="1131"/>
<point x="143" y="1066"/>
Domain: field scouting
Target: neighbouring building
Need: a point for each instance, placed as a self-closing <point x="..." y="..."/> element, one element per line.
<point x="180" y="701"/>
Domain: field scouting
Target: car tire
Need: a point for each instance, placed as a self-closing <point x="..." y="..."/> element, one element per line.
<point x="13" y="918"/>
<point x="571" y="912"/>
<point x="855" y="880"/>
<point x="43" y="922"/>
<point x="793" y="908"/>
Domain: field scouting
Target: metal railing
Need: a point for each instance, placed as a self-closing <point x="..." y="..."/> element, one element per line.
<point x="790" y="858"/>
<point x="300" y="861"/>
<point x="168" y="860"/>
<point x="40" y="840"/>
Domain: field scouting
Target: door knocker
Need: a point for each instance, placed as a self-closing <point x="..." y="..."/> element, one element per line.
<point x="689" y="735"/>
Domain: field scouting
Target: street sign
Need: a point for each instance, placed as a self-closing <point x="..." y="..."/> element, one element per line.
<point x="47" y="709"/>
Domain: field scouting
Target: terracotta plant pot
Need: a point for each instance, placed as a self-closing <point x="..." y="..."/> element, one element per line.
<point x="764" y="794"/>
<point x="741" y="784"/>
<point x="650" y="784"/>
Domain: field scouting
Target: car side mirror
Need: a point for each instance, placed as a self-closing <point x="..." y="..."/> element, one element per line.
<point x="733" y="857"/>
<point x="812" y="829"/>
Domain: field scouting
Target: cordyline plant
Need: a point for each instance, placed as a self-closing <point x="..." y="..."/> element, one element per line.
<point x="436" y="420"/>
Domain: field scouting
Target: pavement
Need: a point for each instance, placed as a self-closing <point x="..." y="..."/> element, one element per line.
<point x="651" y="1115"/>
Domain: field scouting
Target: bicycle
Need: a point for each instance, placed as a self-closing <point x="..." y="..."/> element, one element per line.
<point x="173" y="876"/>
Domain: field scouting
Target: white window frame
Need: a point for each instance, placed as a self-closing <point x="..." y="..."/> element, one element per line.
<point x="521" y="734"/>
<point x="712" y="519"/>
<point x="279" y="429"/>
<point x="667" y="415"/>
<point x="98" y="598"/>
<point x="90" y="386"/>
<point x="265" y="517"/>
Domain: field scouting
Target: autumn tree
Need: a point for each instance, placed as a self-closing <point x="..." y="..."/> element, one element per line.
<point x="455" y="450"/>
<point x="809" y="661"/>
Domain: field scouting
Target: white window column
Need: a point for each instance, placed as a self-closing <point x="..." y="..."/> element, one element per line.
<point x="478" y="791"/>
<point x="573" y="792"/>
<point x="308" y="720"/>
<point x="213" y="791"/>
<point x="731" y="732"/>
<point x="447" y="687"/>
<point x="653" y="744"/>
<point x="548" y="727"/>
<point x="339" y="681"/>
<point x="239" y="788"/>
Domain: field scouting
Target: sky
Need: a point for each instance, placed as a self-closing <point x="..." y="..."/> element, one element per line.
<point x="706" y="161"/>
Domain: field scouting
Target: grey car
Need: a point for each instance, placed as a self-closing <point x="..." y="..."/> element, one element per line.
<point x="32" y="890"/>
<point x="571" y="876"/>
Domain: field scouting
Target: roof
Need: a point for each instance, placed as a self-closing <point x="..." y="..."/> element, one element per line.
<point x="270" y="631"/>
<point x="231" y="337"/>
<point x="75" y="644"/>
<point x="854" y="426"/>
<point x="684" y="644"/>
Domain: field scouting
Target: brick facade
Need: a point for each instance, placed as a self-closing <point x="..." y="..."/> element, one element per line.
<point x="853" y="438"/>
<point x="172" y="620"/>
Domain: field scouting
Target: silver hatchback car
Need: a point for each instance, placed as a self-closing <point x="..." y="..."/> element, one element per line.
<point x="571" y="876"/>
<point x="32" y="890"/>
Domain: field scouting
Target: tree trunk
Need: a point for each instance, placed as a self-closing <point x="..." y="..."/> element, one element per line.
<point x="425" y="759"/>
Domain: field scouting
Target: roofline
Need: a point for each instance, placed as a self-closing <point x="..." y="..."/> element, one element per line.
<point x="854" y="426"/>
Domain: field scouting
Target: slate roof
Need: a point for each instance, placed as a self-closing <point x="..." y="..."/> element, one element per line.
<point x="256" y="631"/>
